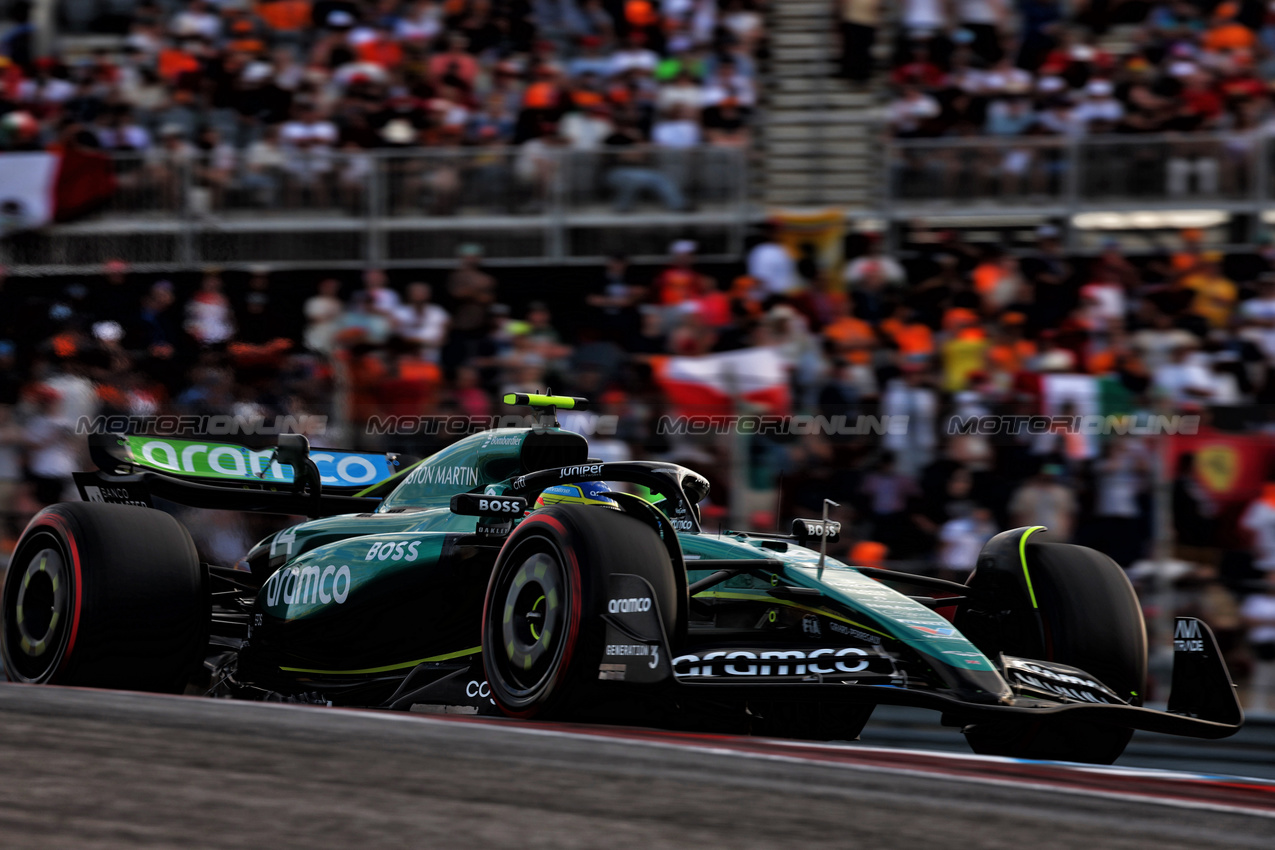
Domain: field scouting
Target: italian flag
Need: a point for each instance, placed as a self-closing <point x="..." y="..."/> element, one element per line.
<point x="40" y="187"/>
<point x="751" y="380"/>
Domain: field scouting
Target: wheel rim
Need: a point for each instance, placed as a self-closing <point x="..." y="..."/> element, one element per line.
<point x="36" y="620"/>
<point x="531" y="633"/>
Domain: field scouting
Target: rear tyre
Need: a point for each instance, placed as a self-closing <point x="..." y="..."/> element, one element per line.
<point x="542" y="630"/>
<point x="1089" y="618"/>
<point x="107" y="596"/>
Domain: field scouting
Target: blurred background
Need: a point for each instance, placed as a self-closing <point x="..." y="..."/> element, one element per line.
<point x="797" y="245"/>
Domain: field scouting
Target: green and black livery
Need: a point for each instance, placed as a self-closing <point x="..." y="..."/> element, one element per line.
<point x="441" y="586"/>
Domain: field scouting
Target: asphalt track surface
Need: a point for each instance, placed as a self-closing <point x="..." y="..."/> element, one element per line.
<point x="84" y="769"/>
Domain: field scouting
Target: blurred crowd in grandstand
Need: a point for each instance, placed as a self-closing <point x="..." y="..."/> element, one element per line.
<point x="1045" y="78"/>
<point x="281" y="96"/>
<point x="1049" y="68"/>
<point x="961" y="330"/>
<point x="284" y="99"/>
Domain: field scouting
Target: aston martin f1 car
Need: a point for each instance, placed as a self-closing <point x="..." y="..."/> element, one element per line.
<point x="511" y="574"/>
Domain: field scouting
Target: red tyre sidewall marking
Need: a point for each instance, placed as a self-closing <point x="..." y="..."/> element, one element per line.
<point x="62" y="525"/>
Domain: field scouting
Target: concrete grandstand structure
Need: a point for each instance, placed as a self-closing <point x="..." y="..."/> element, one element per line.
<point x="819" y="143"/>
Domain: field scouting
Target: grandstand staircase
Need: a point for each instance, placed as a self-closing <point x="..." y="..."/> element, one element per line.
<point x="817" y="136"/>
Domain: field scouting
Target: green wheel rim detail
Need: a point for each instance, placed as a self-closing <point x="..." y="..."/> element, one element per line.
<point x="40" y="608"/>
<point x="535" y="632"/>
<point x="531" y="626"/>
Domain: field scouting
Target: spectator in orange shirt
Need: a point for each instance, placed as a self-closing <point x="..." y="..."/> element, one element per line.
<point x="911" y="337"/>
<point x="996" y="280"/>
<point x="1010" y="351"/>
<point x="1228" y="33"/>
<point x="174" y="61"/>
<point x="284" y="15"/>
<point x="851" y="336"/>
<point x="643" y="16"/>
<point x="1189" y="256"/>
<point x="383" y="50"/>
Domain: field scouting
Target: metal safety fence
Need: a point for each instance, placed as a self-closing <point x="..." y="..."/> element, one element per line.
<point x="1077" y="173"/>
<point x="174" y="207"/>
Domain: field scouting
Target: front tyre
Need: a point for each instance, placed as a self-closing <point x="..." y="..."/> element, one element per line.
<point x="101" y="595"/>
<point x="543" y="634"/>
<point x="1080" y="611"/>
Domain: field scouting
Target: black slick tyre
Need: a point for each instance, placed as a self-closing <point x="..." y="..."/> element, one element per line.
<point x="543" y="635"/>
<point x="1089" y="618"/>
<point x="107" y="596"/>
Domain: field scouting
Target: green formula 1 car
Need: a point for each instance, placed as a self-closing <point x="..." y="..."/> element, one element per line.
<point x="512" y="574"/>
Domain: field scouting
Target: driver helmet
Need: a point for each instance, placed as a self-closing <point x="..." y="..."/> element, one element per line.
<point x="584" y="493"/>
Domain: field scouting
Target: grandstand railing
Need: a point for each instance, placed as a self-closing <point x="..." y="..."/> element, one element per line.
<point x="1074" y="174"/>
<point x="556" y="206"/>
<point x="175" y="209"/>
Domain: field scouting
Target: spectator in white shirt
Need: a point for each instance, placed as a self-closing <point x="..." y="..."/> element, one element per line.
<point x="727" y="82"/>
<point x="423" y="322"/>
<point x="1157" y="343"/>
<point x="197" y="21"/>
<point x="1185" y="377"/>
<point x="1258" y="612"/>
<point x="51" y="446"/>
<point x="45" y="89"/>
<point x="323" y="313"/>
<point x="308" y="141"/>
<point x="1044" y="500"/>
<point x="924" y="18"/>
<point x="1259" y="521"/>
<point x="679" y="128"/>
<point x="381" y="299"/>
<point x="1258" y="315"/>
<point x="886" y="268"/>
<point x="588" y="129"/>
<point x="744" y="22"/>
<point x="682" y="91"/>
<point x="962" y="538"/>
<point x="1099" y="112"/>
<point x="770" y="264"/>
<point x="635" y="56"/>
<point x="909" y="112"/>
<point x="422" y="22"/>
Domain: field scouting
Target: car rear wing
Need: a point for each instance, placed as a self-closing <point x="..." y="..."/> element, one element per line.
<point x="286" y="478"/>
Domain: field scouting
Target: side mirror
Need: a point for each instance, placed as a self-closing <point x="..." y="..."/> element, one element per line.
<point x="294" y="450"/>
